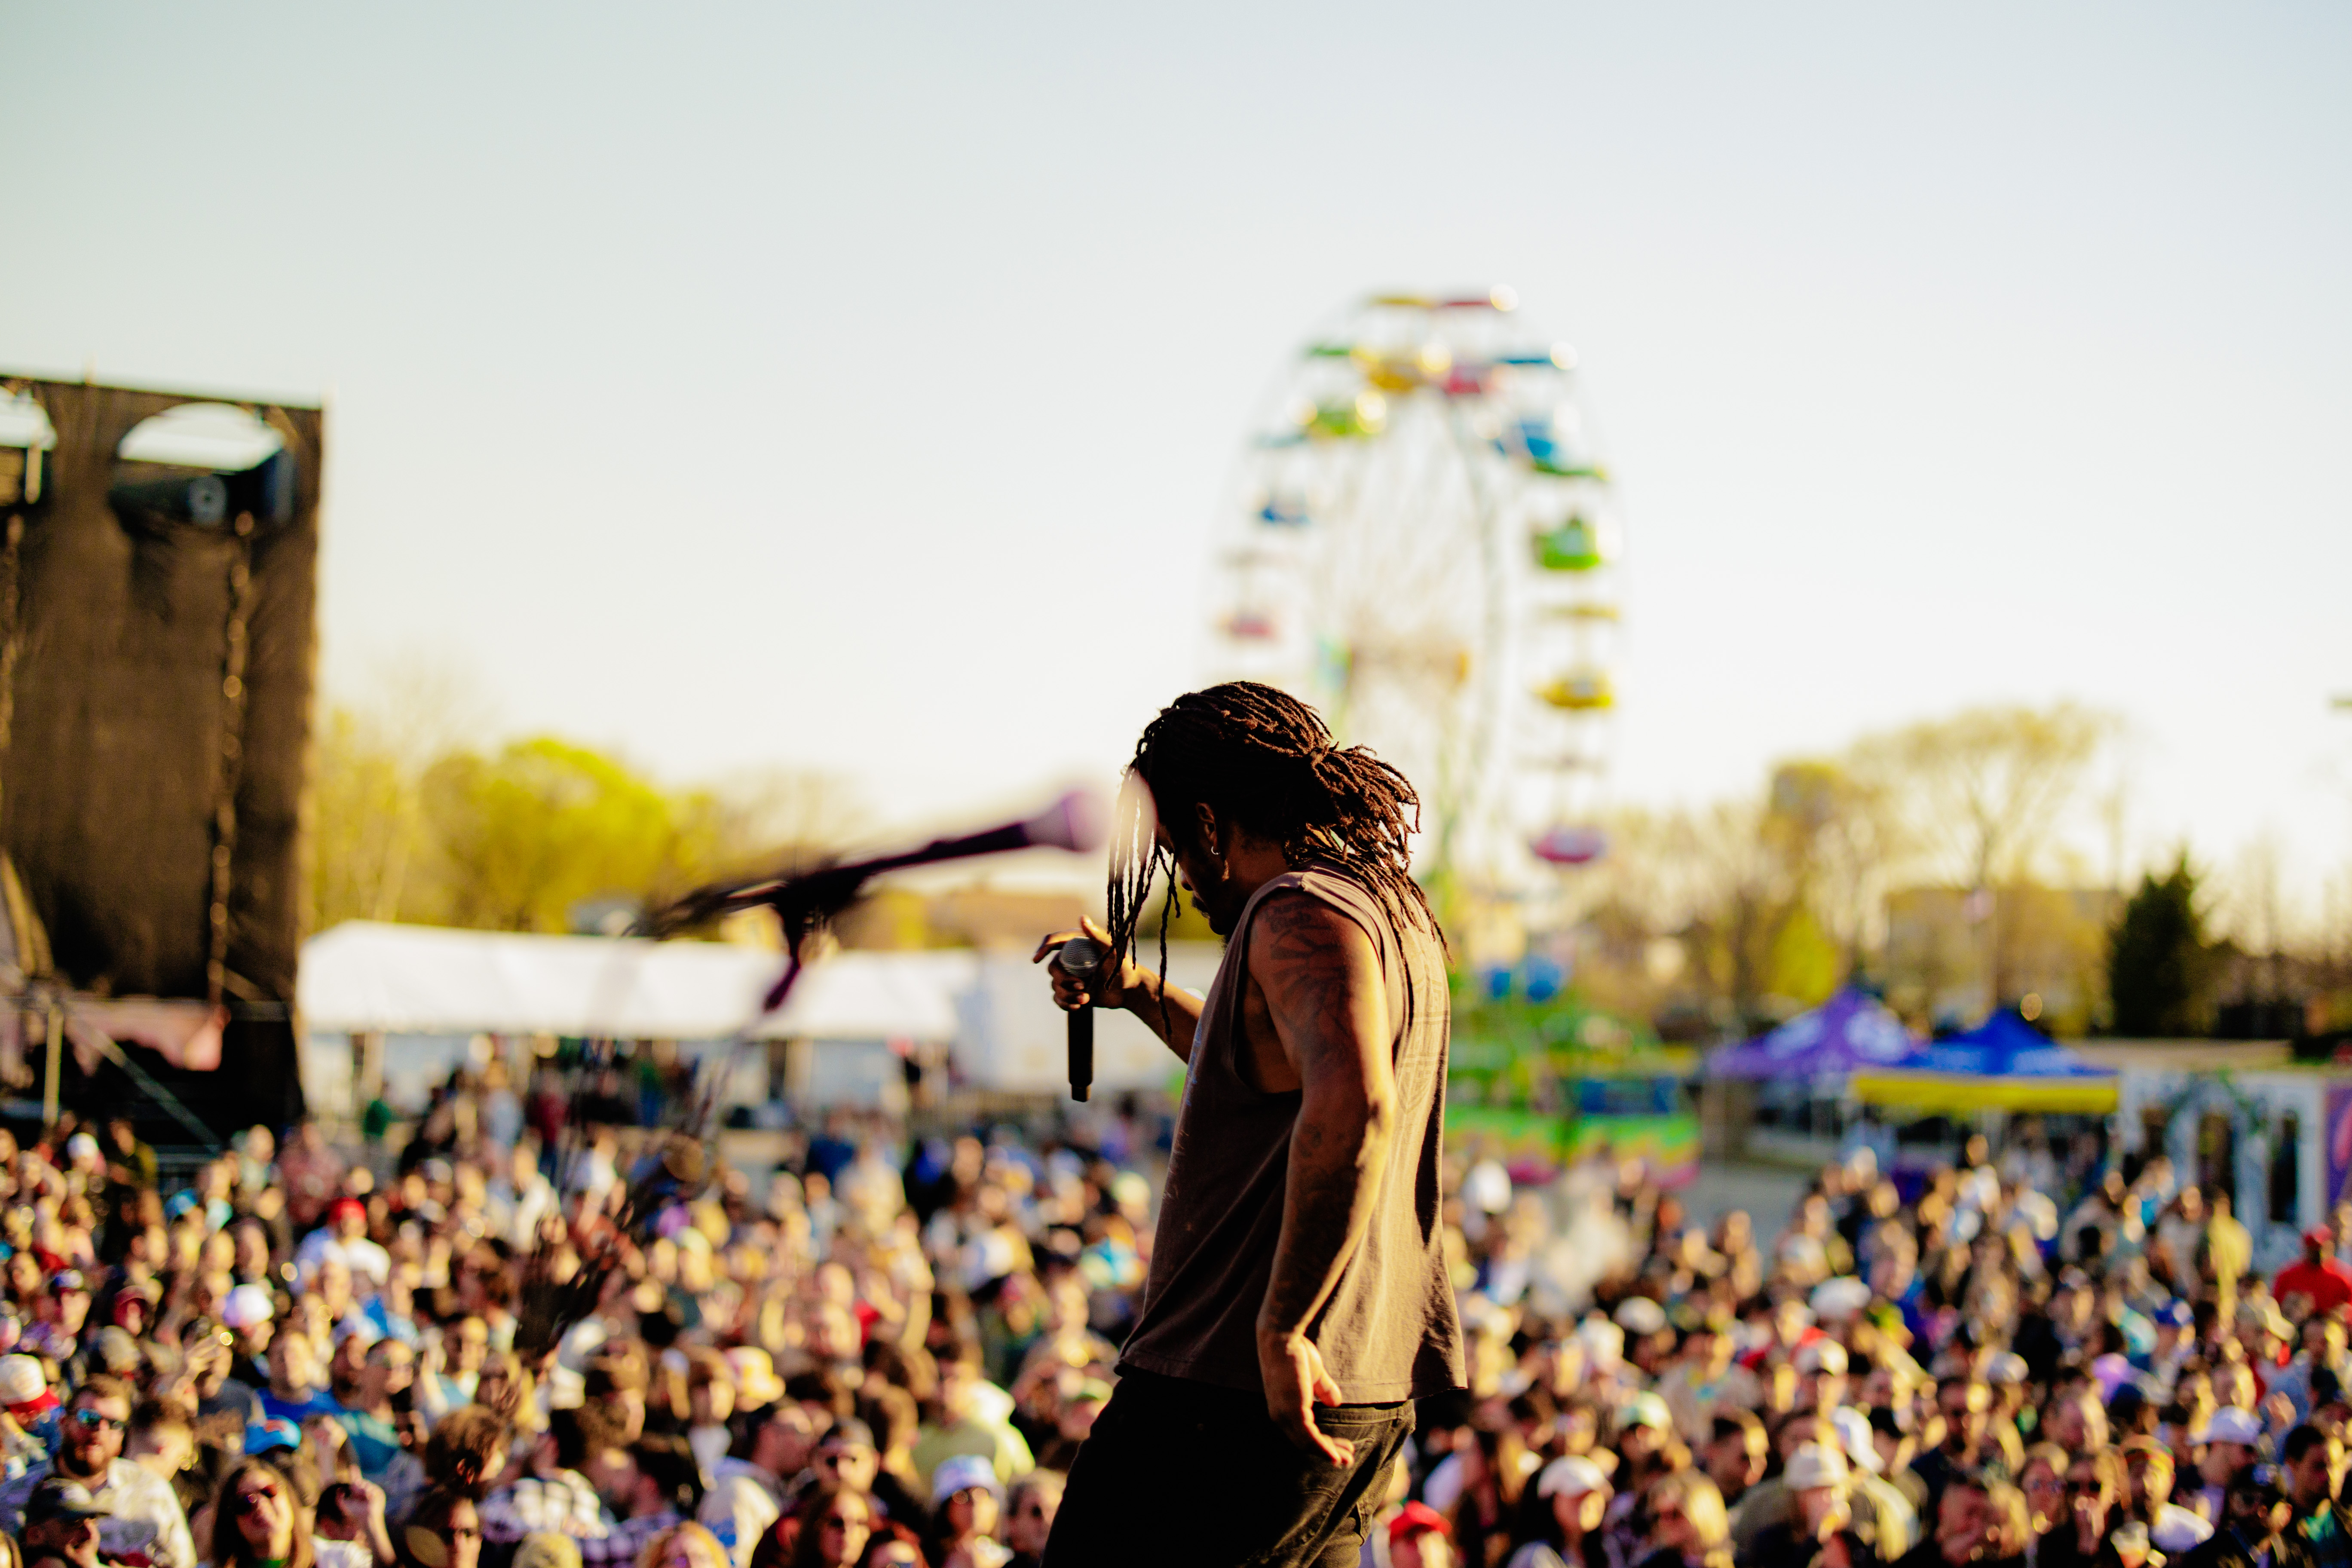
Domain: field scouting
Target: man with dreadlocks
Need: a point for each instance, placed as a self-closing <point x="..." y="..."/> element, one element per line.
<point x="1298" y="1301"/>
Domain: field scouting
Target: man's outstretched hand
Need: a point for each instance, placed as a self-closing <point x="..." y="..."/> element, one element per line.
<point x="1295" y="1383"/>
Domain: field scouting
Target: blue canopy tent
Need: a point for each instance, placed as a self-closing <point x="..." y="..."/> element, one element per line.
<point x="1851" y="1032"/>
<point x="2002" y="1064"/>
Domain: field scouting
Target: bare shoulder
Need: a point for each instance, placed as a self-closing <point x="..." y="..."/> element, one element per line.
<point x="1295" y="929"/>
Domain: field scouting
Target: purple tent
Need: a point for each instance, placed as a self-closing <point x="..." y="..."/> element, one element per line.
<point x="1849" y="1032"/>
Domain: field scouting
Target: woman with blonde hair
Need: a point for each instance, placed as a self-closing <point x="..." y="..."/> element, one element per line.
<point x="683" y="1546"/>
<point x="1689" y="1526"/>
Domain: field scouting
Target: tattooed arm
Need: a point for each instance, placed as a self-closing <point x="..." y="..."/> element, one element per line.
<point x="1320" y="978"/>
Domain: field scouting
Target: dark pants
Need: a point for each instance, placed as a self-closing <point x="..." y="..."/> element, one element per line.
<point x="1179" y="1472"/>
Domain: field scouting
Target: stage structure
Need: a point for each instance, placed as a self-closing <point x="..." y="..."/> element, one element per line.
<point x="158" y="587"/>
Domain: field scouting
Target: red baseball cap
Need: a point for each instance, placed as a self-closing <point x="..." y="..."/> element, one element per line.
<point x="1418" y="1519"/>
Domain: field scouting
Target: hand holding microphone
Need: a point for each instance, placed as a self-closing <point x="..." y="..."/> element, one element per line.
<point x="1083" y="979"/>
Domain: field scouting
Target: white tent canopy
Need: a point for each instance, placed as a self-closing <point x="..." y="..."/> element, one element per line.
<point x="404" y="979"/>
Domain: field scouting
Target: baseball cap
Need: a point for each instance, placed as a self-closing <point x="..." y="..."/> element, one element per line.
<point x="2177" y="1313"/>
<point x="961" y="1473"/>
<point x="22" y="1384"/>
<point x="247" y="1306"/>
<point x="263" y="1437"/>
<point x="57" y="1498"/>
<point x="1815" y="1465"/>
<point x="2006" y="1370"/>
<point x="1843" y="1297"/>
<point x="1418" y="1519"/>
<point x="1572" y="1476"/>
<point x="1640" y="1316"/>
<point x="2229" y="1425"/>
<point x="1854" y="1435"/>
<point x="81" y="1146"/>
<point x="1646" y="1410"/>
<point x="2317" y="1235"/>
<point x="1822" y="1355"/>
<point x="68" y="1280"/>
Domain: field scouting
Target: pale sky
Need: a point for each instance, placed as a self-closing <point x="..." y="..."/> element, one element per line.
<point x="854" y="387"/>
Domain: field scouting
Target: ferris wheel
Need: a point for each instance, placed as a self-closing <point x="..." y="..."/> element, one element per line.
<point x="1422" y="539"/>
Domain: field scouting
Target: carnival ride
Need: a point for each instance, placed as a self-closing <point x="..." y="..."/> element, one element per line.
<point x="1423" y="540"/>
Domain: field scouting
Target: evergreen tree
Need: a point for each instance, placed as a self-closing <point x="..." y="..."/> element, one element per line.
<point x="2158" y="963"/>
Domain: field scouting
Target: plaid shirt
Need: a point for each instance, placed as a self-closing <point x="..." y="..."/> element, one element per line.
<point x="564" y="1503"/>
<point x="629" y="1538"/>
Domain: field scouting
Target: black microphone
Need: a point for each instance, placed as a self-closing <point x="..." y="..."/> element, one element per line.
<point x="1082" y="960"/>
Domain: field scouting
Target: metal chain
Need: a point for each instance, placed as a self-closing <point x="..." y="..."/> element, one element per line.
<point x="232" y="768"/>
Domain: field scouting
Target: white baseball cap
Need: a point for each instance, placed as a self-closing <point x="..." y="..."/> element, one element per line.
<point x="2229" y="1425"/>
<point x="1815" y="1465"/>
<point x="1570" y="1476"/>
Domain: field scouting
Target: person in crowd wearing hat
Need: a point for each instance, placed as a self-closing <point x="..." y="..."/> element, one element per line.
<point x="1821" y="1366"/>
<point x="140" y="1512"/>
<point x="2318" y="1277"/>
<point x="2232" y="1440"/>
<point x="2250" y="1533"/>
<point x="1883" y="1513"/>
<point x="32" y="1407"/>
<point x="967" y="1499"/>
<point x="2147" y="1472"/>
<point x="1419" y="1537"/>
<point x="346" y="1238"/>
<point x="1819" y="1533"/>
<point x="1770" y="1502"/>
<point x="60" y="1525"/>
<point x="2319" y="1532"/>
<point x="1561" y="1518"/>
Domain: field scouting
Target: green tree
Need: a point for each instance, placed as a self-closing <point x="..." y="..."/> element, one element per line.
<point x="526" y="833"/>
<point x="2159" y="965"/>
<point x="366" y="822"/>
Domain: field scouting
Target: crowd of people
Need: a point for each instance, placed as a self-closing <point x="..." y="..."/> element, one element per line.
<point x="887" y="1355"/>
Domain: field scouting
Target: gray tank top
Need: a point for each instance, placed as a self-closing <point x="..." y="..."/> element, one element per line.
<point x="1389" y="1332"/>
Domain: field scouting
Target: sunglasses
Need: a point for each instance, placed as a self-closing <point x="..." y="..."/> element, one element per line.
<point x="91" y="1421"/>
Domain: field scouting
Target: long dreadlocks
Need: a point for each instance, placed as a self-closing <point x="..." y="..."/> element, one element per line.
<point x="1263" y="759"/>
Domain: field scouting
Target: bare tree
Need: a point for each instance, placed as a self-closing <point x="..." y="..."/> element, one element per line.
<point x="1980" y="798"/>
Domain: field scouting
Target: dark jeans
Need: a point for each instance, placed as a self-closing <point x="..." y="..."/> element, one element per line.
<point x="1187" y="1473"/>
